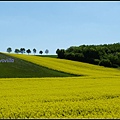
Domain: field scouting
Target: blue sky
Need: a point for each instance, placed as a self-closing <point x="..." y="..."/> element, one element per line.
<point x="52" y="25"/>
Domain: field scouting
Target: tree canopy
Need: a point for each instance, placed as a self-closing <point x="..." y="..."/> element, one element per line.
<point x="9" y="49"/>
<point x="106" y="55"/>
<point x="22" y="50"/>
<point x="28" y="51"/>
<point x="34" y="51"/>
<point x="46" y="51"/>
<point x="41" y="52"/>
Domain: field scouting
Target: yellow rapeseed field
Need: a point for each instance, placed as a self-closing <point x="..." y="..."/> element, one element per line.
<point x="68" y="66"/>
<point x="96" y="94"/>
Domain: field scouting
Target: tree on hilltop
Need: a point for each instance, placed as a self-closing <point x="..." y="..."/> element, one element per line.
<point x="9" y="49"/>
<point x="46" y="51"/>
<point x="41" y="52"/>
<point x="22" y="50"/>
<point x="34" y="51"/>
<point x="28" y="51"/>
<point x="17" y="51"/>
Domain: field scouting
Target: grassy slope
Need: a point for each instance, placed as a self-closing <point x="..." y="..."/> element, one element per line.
<point x="25" y="69"/>
<point x="72" y="67"/>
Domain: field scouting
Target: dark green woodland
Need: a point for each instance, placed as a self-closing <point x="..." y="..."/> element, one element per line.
<point x="107" y="55"/>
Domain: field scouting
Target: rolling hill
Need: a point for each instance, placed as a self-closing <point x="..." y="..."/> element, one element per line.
<point x="25" y="69"/>
<point x="68" y="66"/>
<point x="95" y="94"/>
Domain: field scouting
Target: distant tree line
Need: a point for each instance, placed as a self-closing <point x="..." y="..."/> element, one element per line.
<point x="22" y="50"/>
<point x="107" y="55"/>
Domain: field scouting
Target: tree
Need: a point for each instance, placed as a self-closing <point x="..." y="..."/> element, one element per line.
<point x="57" y="51"/>
<point x="105" y="62"/>
<point x="41" y="52"/>
<point x="105" y="55"/>
<point x="61" y="53"/>
<point x="46" y="51"/>
<point x="79" y="57"/>
<point x="17" y="51"/>
<point x="28" y="51"/>
<point x="22" y="50"/>
<point x="9" y="49"/>
<point x="69" y="56"/>
<point x="34" y="51"/>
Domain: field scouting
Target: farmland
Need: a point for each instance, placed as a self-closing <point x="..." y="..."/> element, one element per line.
<point x="93" y="93"/>
<point x="24" y="69"/>
<point x="69" y="66"/>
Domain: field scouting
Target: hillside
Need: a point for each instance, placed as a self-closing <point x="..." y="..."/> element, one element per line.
<point x="24" y="69"/>
<point x="68" y="66"/>
<point x="96" y="94"/>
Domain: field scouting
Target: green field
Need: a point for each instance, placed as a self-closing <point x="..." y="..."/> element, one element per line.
<point x="25" y="69"/>
<point x="93" y="93"/>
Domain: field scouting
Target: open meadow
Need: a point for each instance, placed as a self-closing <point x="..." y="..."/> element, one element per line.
<point x="93" y="93"/>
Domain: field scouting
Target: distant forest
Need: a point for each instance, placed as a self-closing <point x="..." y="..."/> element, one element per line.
<point x="107" y="55"/>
